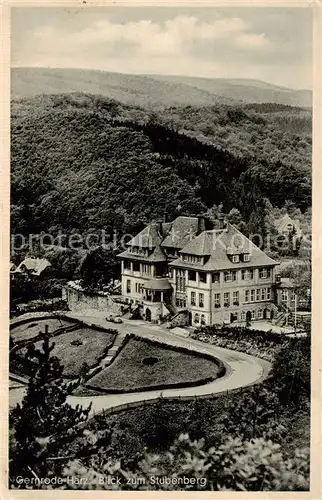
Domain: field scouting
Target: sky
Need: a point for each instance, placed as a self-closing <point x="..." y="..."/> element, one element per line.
<point x="263" y="43"/>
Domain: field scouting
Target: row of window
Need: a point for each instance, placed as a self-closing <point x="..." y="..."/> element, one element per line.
<point x="193" y="259"/>
<point x="138" y="287"/>
<point x="258" y="295"/>
<point x="285" y="295"/>
<point x="181" y="303"/>
<point x="136" y="266"/>
<point x="240" y="258"/>
<point x="139" y="251"/>
<point x="261" y="294"/>
<point x="201" y="299"/>
<point x="237" y="316"/>
<point x="227" y="299"/>
<point x="181" y="280"/>
<point x="228" y="276"/>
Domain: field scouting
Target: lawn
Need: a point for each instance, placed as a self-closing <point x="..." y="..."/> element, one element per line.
<point x="94" y="344"/>
<point x="27" y="331"/>
<point x="142" y="365"/>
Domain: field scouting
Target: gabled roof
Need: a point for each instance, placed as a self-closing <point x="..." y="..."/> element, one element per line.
<point x="202" y="244"/>
<point x="182" y="230"/>
<point x="34" y="266"/>
<point x="149" y="237"/>
<point x="156" y="255"/>
<point x="159" y="235"/>
<point x="282" y="223"/>
<point x="285" y="283"/>
<point x="216" y="245"/>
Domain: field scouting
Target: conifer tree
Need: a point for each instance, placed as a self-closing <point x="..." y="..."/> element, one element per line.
<point x="44" y="423"/>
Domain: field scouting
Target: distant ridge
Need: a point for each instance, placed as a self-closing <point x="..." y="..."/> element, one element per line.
<point x="247" y="90"/>
<point x="152" y="90"/>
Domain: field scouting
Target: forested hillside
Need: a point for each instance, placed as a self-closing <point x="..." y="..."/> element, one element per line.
<point x="81" y="163"/>
<point x="152" y="90"/>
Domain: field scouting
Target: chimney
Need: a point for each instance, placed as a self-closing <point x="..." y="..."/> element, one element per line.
<point x="160" y="227"/>
<point x="222" y="222"/>
<point x="201" y="223"/>
<point x="165" y="216"/>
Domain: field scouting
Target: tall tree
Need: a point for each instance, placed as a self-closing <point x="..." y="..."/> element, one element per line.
<point x="99" y="266"/>
<point x="44" y="423"/>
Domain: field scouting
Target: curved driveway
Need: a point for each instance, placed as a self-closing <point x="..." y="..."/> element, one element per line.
<point x="241" y="369"/>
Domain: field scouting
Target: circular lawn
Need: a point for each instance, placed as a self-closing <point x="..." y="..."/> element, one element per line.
<point x="142" y="365"/>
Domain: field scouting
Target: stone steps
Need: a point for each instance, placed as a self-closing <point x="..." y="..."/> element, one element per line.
<point x="112" y="352"/>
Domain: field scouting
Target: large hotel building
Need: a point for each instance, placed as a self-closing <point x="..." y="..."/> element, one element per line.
<point x="214" y="274"/>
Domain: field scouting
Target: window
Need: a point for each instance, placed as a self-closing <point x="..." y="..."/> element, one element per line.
<point x="127" y="264"/>
<point x="293" y="296"/>
<point x="243" y="316"/>
<point x="246" y="257"/>
<point x="136" y="266"/>
<point x="181" y="280"/>
<point x="201" y="300"/>
<point x="181" y="303"/>
<point x="234" y="275"/>
<point x="253" y="315"/>
<point x="128" y="286"/>
<point x="247" y="274"/>
<point x="192" y="275"/>
<point x="246" y="295"/>
<point x="146" y="268"/>
<point x="235" y="258"/>
<point x="202" y="319"/>
<point x="193" y="259"/>
<point x="284" y="295"/>
<point x="226" y="299"/>
<point x="252" y="295"/>
<point x="193" y="298"/>
<point x="263" y="273"/>
<point x="260" y="314"/>
<point x="136" y="287"/>
<point x="268" y="294"/>
<point x="258" y="294"/>
<point x="216" y="277"/>
<point x="227" y="276"/>
<point x="236" y="298"/>
<point x="264" y="293"/>
<point x="196" y="318"/>
<point x="217" y="300"/>
<point x="203" y="277"/>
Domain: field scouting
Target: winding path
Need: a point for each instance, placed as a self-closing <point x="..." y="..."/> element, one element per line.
<point x="241" y="369"/>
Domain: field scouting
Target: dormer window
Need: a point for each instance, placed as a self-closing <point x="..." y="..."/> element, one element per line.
<point x="235" y="258"/>
<point x="193" y="259"/>
<point x="246" y="257"/>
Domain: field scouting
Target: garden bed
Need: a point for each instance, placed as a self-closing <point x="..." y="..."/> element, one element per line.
<point x="257" y="343"/>
<point x="29" y="329"/>
<point x="146" y="365"/>
<point x="73" y="349"/>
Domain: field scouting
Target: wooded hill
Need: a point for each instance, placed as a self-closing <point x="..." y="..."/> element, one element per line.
<point x="81" y="162"/>
<point x="152" y="90"/>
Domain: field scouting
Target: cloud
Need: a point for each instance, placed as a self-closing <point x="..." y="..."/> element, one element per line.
<point x="213" y="46"/>
<point x="147" y="37"/>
